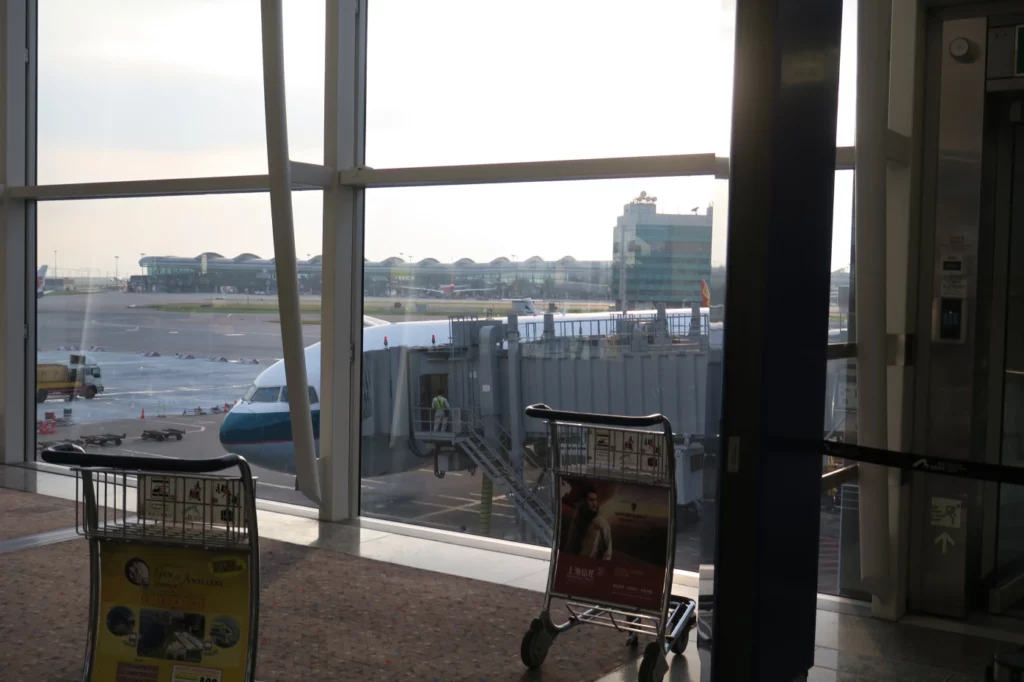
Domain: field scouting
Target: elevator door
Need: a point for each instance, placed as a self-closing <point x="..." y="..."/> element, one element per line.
<point x="1005" y="158"/>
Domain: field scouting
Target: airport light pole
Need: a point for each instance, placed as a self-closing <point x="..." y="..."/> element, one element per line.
<point x="116" y="262"/>
<point x="55" y="262"/>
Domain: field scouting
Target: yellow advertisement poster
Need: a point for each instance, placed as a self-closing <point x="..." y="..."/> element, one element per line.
<point x="171" y="614"/>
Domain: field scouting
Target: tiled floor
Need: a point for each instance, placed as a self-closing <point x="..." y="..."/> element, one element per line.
<point x="851" y="647"/>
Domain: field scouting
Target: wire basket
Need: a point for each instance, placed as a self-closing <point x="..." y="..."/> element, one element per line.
<point x="194" y="510"/>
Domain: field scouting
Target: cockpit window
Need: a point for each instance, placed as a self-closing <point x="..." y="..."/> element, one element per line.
<point x="313" y="400"/>
<point x="262" y="394"/>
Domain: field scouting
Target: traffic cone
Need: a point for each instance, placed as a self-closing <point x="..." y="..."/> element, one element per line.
<point x="143" y="413"/>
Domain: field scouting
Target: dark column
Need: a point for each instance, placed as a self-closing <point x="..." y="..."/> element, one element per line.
<point x="782" y="171"/>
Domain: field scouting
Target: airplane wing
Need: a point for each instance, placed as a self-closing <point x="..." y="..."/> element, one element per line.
<point x="399" y="286"/>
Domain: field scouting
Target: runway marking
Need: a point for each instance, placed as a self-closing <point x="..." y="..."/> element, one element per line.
<point x="172" y="332"/>
<point x="459" y="499"/>
<point x="235" y="334"/>
<point x="430" y="504"/>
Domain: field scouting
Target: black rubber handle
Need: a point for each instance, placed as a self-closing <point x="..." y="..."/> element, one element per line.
<point x="80" y="458"/>
<point x="542" y="411"/>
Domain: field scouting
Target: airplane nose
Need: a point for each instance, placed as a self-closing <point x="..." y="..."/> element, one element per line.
<point x="240" y="428"/>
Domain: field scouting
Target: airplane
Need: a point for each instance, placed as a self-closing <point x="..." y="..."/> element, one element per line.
<point x="40" y="281"/>
<point x="258" y="427"/>
<point x="449" y="290"/>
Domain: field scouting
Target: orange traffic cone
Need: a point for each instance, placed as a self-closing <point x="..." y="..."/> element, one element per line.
<point x="143" y="413"/>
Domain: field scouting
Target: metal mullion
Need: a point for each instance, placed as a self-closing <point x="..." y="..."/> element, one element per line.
<point x="617" y="168"/>
<point x="534" y="171"/>
<point x="143" y="188"/>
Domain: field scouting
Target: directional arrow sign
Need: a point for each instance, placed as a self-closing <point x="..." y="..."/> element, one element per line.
<point x="946" y="541"/>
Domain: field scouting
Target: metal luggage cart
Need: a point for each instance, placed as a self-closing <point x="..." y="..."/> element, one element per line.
<point x="162" y="434"/>
<point x="624" y="584"/>
<point x="173" y="565"/>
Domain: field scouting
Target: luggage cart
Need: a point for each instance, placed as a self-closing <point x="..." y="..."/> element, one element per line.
<point x="636" y="463"/>
<point x="173" y="549"/>
<point x="162" y="434"/>
<point x="103" y="439"/>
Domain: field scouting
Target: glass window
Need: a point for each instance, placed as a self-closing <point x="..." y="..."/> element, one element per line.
<point x="178" y="344"/>
<point x="589" y="364"/>
<point x="538" y="80"/>
<point x="140" y="90"/>
<point x="313" y="399"/>
<point x="266" y="394"/>
<point x="839" y="538"/>
<point x="475" y="82"/>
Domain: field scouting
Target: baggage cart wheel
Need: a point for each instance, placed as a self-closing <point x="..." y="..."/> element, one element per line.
<point x="178" y="436"/>
<point x="649" y="668"/>
<point x="536" y="643"/>
<point x="117" y="441"/>
<point x="679" y="646"/>
<point x="160" y="438"/>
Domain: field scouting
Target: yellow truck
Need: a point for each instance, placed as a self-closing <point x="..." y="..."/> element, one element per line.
<point x="76" y="378"/>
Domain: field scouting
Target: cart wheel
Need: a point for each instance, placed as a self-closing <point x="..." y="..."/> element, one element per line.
<point x="160" y="439"/>
<point x="178" y="436"/>
<point x="632" y="640"/>
<point x="534" y="648"/>
<point x="439" y="474"/>
<point x="684" y="638"/>
<point x="117" y="441"/>
<point x="649" y="669"/>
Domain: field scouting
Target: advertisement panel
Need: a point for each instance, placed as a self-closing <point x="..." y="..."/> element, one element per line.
<point x="171" y="614"/>
<point x="613" y="541"/>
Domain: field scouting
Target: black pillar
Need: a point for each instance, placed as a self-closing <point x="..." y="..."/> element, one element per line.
<point x="782" y="172"/>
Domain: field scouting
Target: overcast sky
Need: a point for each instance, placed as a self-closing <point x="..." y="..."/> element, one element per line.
<point x="133" y="90"/>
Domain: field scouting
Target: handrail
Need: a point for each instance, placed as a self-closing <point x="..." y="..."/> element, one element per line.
<point x="78" y="457"/>
<point x="542" y="411"/>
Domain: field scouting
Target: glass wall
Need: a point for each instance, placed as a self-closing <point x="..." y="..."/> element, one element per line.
<point x="447" y="267"/>
<point x="142" y="90"/>
<point x="160" y="314"/>
<point x="173" y="300"/>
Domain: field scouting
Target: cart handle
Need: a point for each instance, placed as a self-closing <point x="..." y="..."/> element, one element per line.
<point x="73" y="455"/>
<point x="542" y="411"/>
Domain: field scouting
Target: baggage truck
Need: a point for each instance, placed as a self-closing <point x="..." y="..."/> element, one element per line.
<point x="77" y="378"/>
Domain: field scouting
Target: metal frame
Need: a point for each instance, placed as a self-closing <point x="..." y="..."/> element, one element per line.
<point x="284" y="247"/>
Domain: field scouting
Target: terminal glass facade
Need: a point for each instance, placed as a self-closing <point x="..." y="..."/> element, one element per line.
<point x="175" y="290"/>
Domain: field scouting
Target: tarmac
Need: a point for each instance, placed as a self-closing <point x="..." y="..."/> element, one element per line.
<point x="120" y="328"/>
<point x="125" y="322"/>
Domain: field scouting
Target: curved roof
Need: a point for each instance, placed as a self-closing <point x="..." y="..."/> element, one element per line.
<point x="566" y="259"/>
<point x="429" y="261"/>
<point x="209" y="254"/>
<point x="242" y="257"/>
<point x="500" y="259"/>
<point x="465" y="261"/>
<point x="394" y="260"/>
<point x="316" y="259"/>
<point x="534" y="259"/>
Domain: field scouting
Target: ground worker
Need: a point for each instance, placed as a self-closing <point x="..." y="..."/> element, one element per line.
<point x="440" y="406"/>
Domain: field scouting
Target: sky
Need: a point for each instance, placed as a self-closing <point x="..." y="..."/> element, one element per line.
<point x="134" y="90"/>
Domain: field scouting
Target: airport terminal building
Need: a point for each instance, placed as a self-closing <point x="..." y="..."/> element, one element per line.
<point x="667" y="256"/>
